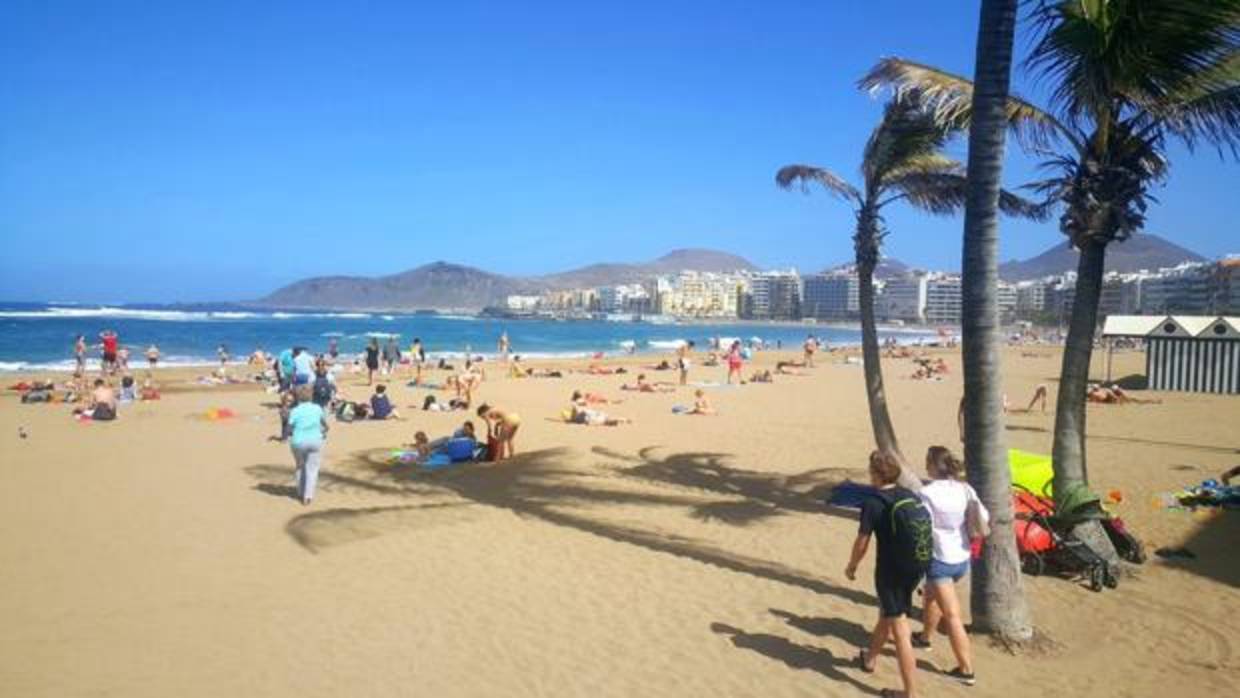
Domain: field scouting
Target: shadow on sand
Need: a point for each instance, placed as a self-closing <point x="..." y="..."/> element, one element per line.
<point x="542" y="485"/>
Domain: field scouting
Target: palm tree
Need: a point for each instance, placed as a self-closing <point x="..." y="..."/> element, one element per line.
<point x="998" y="594"/>
<point x="902" y="160"/>
<point x="1127" y="77"/>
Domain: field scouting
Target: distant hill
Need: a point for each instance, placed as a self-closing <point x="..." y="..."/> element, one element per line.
<point x="887" y="268"/>
<point x="670" y="263"/>
<point x="1141" y="251"/>
<point x="439" y="285"/>
<point x="446" y="286"/>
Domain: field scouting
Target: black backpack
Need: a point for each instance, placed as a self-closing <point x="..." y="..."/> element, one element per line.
<point x="322" y="391"/>
<point x="912" y="537"/>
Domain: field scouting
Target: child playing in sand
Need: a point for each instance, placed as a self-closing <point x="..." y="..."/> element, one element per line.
<point x="422" y="446"/>
<point x="701" y="405"/>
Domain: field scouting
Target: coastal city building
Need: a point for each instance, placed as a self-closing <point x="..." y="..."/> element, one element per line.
<point x="831" y="296"/>
<point x="904" y="299"/>
<point x="773" y="295"/>
<point x="943" y="299"/>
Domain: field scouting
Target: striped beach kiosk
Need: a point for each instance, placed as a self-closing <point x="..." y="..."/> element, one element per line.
<point x="1184" y="353"/>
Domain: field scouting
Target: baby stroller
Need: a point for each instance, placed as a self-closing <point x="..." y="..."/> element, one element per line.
<point x="1046" y="544"/>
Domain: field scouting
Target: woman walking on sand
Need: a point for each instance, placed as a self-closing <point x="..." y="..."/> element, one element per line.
<point x="735" y="363"/>
<point x="307" y="423"/>
<point x="949" y="500"/>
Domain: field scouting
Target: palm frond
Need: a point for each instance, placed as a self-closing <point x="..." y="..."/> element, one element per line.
<point x="949" y="98"/>
<point x="944" y="194"/>
<point x="1108" y="60"/>
<point x="906" y="134"/>
<point x="804" y="175"/>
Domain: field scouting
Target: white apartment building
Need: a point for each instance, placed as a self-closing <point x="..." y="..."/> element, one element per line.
<point x="943" y="299"/>
<point x="904" y="298"/>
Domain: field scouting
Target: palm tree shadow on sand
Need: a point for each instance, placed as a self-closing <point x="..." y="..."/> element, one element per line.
<point x="542" y="484"/>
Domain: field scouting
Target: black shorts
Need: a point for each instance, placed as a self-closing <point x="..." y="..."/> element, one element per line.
<point x="109" y="357"/>
<point x="372" y="364"/>
<point x="895" y="594"/>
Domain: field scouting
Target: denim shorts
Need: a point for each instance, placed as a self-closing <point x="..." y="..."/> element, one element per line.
<point x="940" y="571"/>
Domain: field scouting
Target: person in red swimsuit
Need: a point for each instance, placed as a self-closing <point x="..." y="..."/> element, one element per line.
<point x="110" y="345"/>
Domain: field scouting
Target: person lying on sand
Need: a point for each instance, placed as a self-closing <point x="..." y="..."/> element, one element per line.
<point x="593" y="398"/>
<point x="596" y="370"/>
<point x="784" y="368"/>
<point x="764" y="376"/>
<point x="644" y="386"/>
<point x="1229" y="475"/>
<point x="1113" y="395"/>
<point x="663" y="365"/>
<point x="582" y="414"/>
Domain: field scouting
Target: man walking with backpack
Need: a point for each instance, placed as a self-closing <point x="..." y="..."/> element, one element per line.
<point x="902" y="524"/>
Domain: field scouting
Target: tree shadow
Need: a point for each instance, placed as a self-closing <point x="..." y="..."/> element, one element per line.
<point x="854" y="634"/>
<point x="319" y="530"/>
<point x="765" y="494"/>
<point x="540" y="485"/>
<point x="794" y="655"/>
<point x="1214" y="545"/>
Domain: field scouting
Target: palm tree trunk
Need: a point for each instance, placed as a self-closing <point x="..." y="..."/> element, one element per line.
<point x="1068" y="452"/>
<point x="1069" y="449"/>
<point x="880" y="420"/>
<point x="998" y="597"/>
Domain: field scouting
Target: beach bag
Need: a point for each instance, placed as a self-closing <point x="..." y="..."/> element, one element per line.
<point x="345" y="413"/>
<point x="912" y="535"/>
<point x="975" y="524"/>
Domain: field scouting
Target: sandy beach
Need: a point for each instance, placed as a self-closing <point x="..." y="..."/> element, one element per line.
<point x="163" y="554"/>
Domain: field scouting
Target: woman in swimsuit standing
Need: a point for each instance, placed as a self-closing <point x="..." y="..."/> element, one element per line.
<point x="372" y="360"/>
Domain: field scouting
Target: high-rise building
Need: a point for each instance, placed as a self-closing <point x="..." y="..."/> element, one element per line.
<point x="831" y="296"/>
<point x="904" y="299"/>
<point x="1186" y="289"/>
<point x="943" y="299"/>
<point x="773" y="296"/>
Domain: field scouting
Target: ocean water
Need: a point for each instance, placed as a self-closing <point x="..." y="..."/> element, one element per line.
<point x="40" y="335"/>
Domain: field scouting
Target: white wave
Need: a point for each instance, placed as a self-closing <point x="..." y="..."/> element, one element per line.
<point x="666" y="344"/>
<point x="332" y="334"/>
<point x="343" y="315"/>
<point x="462" y="318"/>
<point x="92" y="365"/>
<point x="389" y="318"/>
<point x="230" y="315"/>
<point x="382" y="335"/>
<point x="283" y="316"/>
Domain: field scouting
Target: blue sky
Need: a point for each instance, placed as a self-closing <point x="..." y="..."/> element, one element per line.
<point x="213" y="151"/>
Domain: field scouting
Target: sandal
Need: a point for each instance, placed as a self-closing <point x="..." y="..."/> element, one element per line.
<point x="920" y="641"/>
<point x="863" y="662"/>
<point x="959" y="675"/>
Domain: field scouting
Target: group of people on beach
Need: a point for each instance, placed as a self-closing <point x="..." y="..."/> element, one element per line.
<point x="924" y="532"/>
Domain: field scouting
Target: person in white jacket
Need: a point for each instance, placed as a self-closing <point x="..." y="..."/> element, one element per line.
<point x="948" y="498"/>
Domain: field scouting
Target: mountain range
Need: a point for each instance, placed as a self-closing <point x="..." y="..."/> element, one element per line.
<point x="1141" y="251"/>
<point x="443" y="285"/>
<point x="447" y="286"/>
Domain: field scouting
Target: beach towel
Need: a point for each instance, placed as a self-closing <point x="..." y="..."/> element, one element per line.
<point x="681" y="409"/>
<point x="1032" y="471"/>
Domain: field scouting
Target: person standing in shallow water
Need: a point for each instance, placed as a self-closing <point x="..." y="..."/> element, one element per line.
<point x="79" y="353"/>
<point x="307" y="423"/>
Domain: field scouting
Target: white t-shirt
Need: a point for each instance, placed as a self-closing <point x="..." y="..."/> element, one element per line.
<point x="947" y="501"/>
